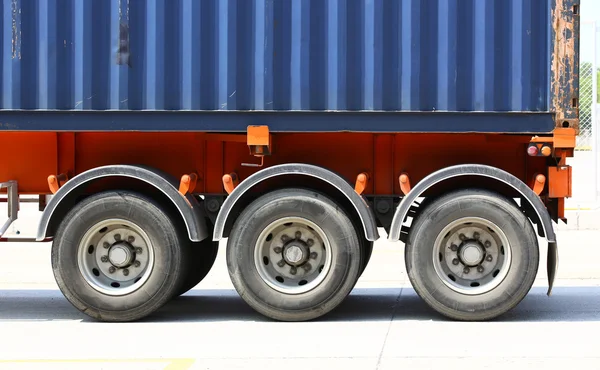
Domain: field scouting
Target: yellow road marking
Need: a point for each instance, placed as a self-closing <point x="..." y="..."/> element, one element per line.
<point x="172" y="363"/>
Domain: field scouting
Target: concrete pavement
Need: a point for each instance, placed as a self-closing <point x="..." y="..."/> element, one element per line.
<point x="383" y="324"/>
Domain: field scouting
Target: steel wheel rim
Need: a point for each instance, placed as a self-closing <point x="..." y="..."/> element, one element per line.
<point x="466" y="241"/>
<point x="119" y="246"/>
<point x="275" y="257"/>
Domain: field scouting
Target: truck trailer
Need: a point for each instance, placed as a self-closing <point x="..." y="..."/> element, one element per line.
<point x="297" y="130"/>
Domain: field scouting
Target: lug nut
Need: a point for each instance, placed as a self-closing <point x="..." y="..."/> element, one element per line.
<point x="277" y="249"/>
<point x="466" y="270"/>
<point x="130" y="238"/>
<point x="117" y="237"/>
<point x="293" y="271"/>
<point x="479" y="268"/>
<point x="281" y="263"/>
<point x="455" y="261"/>
<point x="104" y="259"/>
<point x="489" y="258"/>
<point x="137" y="263"/>
<point x="284" y="238"/>
<point x="310" y="242"/>
<point x="126" y="272"/>
<point x="462" y="237"/>
<point x="138" y="250"/>
<point x="453" y="248"/>
<point x="476" y="235"/>
<point x="112" y="269"/>
<point x="106" y="245"/>
<point x="307" y="267"/>
<point x="313" y="255"/>
<point x="488" y="244"/>
<point x="298" y="234"/>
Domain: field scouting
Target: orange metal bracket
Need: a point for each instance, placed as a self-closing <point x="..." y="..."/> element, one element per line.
<point x="54" y="182"/>
<point x="361" y="182"/>
<point x="230" y="181"/>
<point x="259" y="140"/>
<point x="538" y="183"/>
<point x="560" y="180"/>
<point x="563" y="138"/>
<point x="259" y="143"/>
<point x="188" y="183"/>
<point x="404" y="183"/>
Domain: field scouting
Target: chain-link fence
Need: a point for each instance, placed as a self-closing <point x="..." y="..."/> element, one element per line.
<point x="589" y="79"/>
<point x="586" y="162"/>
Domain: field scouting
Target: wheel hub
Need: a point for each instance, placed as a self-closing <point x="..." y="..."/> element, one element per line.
<point x="471" y="254"/>
<point x="115" y="257"/>
<point x="121" y="255"/>
<point x="295" y="254"/>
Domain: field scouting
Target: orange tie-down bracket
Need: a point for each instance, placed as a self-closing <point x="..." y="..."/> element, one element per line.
<point x="56" y="181"/>
<point x="560" y="146"/>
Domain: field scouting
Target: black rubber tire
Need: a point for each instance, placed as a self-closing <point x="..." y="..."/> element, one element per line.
<point x="476" y="203"/>
<point x="201" y="259"/>
<point x="342" y="236"/>
<point x="170" y="247"/>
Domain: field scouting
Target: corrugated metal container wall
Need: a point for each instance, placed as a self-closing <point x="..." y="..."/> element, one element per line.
<point x="420" y="55"/>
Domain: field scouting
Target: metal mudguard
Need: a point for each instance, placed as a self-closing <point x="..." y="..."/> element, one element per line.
<point x="360" y="205"/>
<point x="189" y="208"/>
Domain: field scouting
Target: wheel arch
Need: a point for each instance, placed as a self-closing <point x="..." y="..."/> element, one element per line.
<point x="163" y="185"/>
<point x="540" y="216"/>
<point x="307" y="174"/>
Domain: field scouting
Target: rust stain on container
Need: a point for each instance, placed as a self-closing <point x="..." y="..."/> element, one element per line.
<point x="16" y="29"/>
<point x="565" y="64"/>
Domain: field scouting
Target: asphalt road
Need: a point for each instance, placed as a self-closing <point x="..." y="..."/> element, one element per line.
<point x="382" y="325"/>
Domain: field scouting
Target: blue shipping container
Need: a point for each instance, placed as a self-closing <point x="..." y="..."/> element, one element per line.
<point x="287" y="55"/>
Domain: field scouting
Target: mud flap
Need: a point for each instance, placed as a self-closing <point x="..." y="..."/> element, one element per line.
<point x="552" y="265"/>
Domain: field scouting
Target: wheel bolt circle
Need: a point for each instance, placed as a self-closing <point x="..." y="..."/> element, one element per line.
<point x="293" y="271"/>
<point x="455" y="261"/>
<point x="104" y="259"/>
<point x="112" y="269"/>
<point x="137" y="263"/>
<point x="285" y="238"/>
<point x="313" y="255"/>
<point x="298" y="235"/>
<point x="476" y="235"/>
<point x="126" y="272"/>
<point x="281" y="263"/>
<point x="138" y="250"/>
<point x="117" y="237"/>
<point x="106" y="245"/>
<point x="277" y="249"/>
<point x="479" y="268"/>
<point x="310" y="242"/>
<point x="489" y="258"/>
<point x="466" y="270"/>
<point x="131" y="239"/>
<point x="462" y="237"/>
<point x="453" y="248"/>
<point x="307" y="267"/>
<point x="488" y="244"/>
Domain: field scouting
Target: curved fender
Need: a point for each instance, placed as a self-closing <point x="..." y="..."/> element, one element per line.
<point x="360" y="205"/>
<point x="189" y="208"/>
